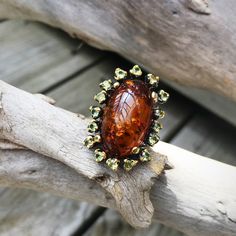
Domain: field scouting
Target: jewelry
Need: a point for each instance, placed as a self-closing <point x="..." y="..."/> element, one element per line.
<point x="127" y="120"/>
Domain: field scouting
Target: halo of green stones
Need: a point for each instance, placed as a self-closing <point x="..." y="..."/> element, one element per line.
<point x="139" y="154"/>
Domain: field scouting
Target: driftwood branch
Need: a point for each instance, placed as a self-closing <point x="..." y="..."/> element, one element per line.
<point x="190" y="198"/>
<point x="29" y="121"/>
<point x="197" y="197"/>
<point x="187" y="41"/>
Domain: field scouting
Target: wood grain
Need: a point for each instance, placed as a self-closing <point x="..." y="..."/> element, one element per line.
<point x="170" y="194"/>
<point x="190" y="42"/>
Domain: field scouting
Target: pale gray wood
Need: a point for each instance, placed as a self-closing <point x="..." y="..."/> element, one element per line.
<point x="187" y="41"/>
<point x="44" y="116"/>
<point x="203" y="134"/>
<point x="112" y="224"/>
<point x="82" y="88"/>
<point x="36" y="57"/>
<point x="221" y="106"/>
<point x="212" y="203"/>
<point x="209" y="136"/>
<point x="26" y="63"/>
<point x="25" y="212"/>
<point x="216" y="197"/>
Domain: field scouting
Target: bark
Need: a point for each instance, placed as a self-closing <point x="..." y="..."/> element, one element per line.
<point x="187" y="41"/>
<point x="197" y="196"/>
<point x="29" y="121"/>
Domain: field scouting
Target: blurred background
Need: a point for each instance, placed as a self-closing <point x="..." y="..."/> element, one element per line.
<point x="41" y="59"/>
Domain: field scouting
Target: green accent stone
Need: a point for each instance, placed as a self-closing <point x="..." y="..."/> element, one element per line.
<point x="106" y="85"/>
<point x="153" y="139"/>
<point x="136" y="71"/>
<point x="120" y="74"/>
<point x="159" y="114"/>
<point x="99" y="155"/>
<point x="156" y="126"/>
<point x="129" y="164"/>
<point x="101" y="97"/>
<point x="112" y="163"/>
<point x="89" y="142"/>
<point x="92" y="127"/>
<point x="163" y="96"/>
<point x="95" y="111"/>
<point x="153" y="80"/>
<point x="145" y="155"/>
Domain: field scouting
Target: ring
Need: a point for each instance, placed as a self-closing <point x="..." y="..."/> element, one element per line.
<point x="127" y="120"/>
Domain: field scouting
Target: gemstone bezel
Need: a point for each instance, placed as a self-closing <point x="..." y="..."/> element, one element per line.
<point x="139" y="153"/>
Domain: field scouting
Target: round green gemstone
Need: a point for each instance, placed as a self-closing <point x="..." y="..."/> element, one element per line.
<point x="100" y="97"/>
<point x="129" y="164"/>
<point x="95" y="111"/>
<point x="112" y="163"/>
<point x="163" y="96"/>
<point x="156" y="126"/>
<point x="153" y="80"/>
<point x="136" y="71"/>
<point x="89" y="142"/>
<point x="159" y="114"/>
<point x="120" y="74"/>
<point x="93" y="127"/>
<point x="153" y="139"/>
<point x="99" y="155"/>
<point x="145" y="155"/>
<point x="106" y="85"/>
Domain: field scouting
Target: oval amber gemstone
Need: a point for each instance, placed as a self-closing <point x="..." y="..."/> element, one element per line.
<point x="126" y="118"/>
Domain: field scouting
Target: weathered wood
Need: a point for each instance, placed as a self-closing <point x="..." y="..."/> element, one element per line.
<point x="22" y="213"/>
<point x="221" y="106"/>
<point x="178" y="39"/>
<point x="112" y="224"/>
<point x="212" y="205"/>
<point x="204" y="134"/>
<point x="65" y="143"/>
<point x="36" y="57"/>
<point x="76" y="88"/>
<point x="170" y="195"/>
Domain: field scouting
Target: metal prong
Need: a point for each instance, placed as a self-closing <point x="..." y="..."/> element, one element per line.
<point x="154" y="96"/>
<point x="97" y="138"/>
<point x="116" y="85"/>
<point x="129" y="164"/>
<point x="113" y="163"/>
<point x="135" y="150"/>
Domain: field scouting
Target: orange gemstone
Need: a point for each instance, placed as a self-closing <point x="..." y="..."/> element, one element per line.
<point x="126" y="118"/>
